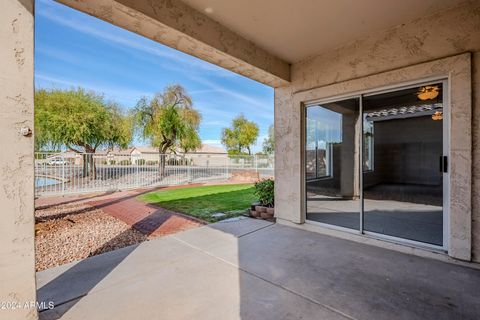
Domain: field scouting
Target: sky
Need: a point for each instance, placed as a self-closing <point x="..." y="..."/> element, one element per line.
<point x="73" y="49"/>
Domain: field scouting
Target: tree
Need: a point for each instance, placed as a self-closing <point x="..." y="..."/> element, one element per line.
<point x="240" y="136"/>
<point x="169" y="122"/>
<point x="269" y="142"/>
<point x="81" y="121"/>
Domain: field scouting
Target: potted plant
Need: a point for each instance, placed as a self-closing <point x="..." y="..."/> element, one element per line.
<point x="264" y="190"/>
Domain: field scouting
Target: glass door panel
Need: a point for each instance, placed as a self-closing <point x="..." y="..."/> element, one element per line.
<point x="332" y="151"/>
<point x="403" y="163"/>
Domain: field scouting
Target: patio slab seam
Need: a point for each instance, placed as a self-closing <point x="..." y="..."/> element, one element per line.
<point x="216" y="249"/>
<point x="95" y="291"/>
<point x="277" y="285"/>
<point x="250" y="232"/>
<point x="124" y="279"/>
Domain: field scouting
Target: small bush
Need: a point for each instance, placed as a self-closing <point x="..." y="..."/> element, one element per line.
<point x="177" y="161"/>
<point x="264" y="190"/>
<point x="152" y="162"/>
<point x="112" y="162"/>
<point x="125" y="163"/>
<point x="140" y="162"/>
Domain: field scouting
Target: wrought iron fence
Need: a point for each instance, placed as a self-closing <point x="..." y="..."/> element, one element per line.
<point x="70" y="172"/>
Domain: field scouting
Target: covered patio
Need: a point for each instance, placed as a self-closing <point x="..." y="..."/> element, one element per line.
<point x="253" y="269"/>
<point x="337" y="57"/>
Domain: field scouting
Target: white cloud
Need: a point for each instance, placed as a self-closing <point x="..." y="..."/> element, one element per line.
<point x="255" y="148"/>
<point x="215" y="123"/>
<point x="127" y="40"/>
<point x="187" y="64"/>
<point x="200" y="92"/>
<point x="258" y="145"/>
<point x="218" y="110"/>
<point x="260" y="108"/>
<point x="115" y="93"/>
<point x="215" y="143"/>
<point x="58" y="54"/>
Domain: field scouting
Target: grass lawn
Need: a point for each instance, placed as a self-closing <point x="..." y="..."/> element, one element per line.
<point x="201" y="202"/>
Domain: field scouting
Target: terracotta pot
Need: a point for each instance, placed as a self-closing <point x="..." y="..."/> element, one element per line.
<point x="271" y="210"/>
<point x="260" y="209"/>
<point x="254" y="213"/>
<point x="266" y="215"/>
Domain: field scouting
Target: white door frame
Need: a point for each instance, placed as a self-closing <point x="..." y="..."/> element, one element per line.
<point x="446" y="152"/>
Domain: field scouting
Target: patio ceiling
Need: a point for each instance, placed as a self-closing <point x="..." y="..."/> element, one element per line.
<point x="257" y="39"/>
<point x="295" y="30"/>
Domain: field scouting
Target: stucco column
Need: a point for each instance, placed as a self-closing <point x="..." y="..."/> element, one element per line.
<point x="17" y="258"/>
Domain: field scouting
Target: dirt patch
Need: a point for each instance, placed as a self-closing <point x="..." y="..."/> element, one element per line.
<point x="75" y="231"/>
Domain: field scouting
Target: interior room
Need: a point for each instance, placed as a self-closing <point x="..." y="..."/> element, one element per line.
<point x="399" y="138"/>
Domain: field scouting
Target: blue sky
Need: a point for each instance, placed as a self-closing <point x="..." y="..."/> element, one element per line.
<point x="73" y="49"/>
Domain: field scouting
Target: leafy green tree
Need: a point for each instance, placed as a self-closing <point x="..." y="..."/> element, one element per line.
<point x="81" y="121"/>
<point x="169" y="122"/>
<point x="269" y="142"/>
<point x="240" y="136"/>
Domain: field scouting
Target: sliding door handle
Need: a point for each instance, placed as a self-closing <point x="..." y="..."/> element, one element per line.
<point x="443" y="164"/>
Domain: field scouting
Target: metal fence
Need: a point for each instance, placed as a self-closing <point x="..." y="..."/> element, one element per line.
<point x="69" y="172"/>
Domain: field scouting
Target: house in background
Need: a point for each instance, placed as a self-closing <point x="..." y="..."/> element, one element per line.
<point x="68" y="156"/>
<point x="207" y="155"/>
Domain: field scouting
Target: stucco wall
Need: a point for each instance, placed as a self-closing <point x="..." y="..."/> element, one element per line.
<point x="442" y="34"/>
<point x="17" y="271"/>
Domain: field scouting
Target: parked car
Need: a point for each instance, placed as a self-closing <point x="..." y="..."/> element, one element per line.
<point x="57" y="161"/>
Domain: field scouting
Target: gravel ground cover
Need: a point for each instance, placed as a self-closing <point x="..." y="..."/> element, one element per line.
<point x="75" y="231"/>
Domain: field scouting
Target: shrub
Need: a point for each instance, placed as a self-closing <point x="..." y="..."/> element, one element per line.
<point x="125" y="162"/>
<point x="172" y="162"/>
<point x="140" y="162"/>
<point x="264" y="190"/>
<point x="152" y="162"/>
<point x="177" y="161"/>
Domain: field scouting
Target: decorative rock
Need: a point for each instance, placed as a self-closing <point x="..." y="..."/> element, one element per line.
<point x="218" y="215"/>
<point x="75" y="231"/>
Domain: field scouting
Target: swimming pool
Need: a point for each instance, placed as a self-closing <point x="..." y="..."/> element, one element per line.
<point x="44" y="182"/>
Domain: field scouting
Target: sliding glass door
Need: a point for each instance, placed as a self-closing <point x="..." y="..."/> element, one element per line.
<point x="377" y="163"/>
<point x="331" y="152"/>
<point x="403" y="179"/>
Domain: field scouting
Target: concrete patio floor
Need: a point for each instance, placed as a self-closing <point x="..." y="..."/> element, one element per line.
<point x="413" y="221"/>
<point x="253" y="269"/>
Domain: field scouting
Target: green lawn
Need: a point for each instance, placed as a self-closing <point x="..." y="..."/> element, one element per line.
<point x="203" y="201"/>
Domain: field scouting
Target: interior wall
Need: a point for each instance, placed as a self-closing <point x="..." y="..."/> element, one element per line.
<point x="404" y="150"/>
<point x="440" y="35"/>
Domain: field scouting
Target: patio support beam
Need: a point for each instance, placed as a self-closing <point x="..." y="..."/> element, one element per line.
<point x="17" y="255"/>
<point x="175" y="24"/>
